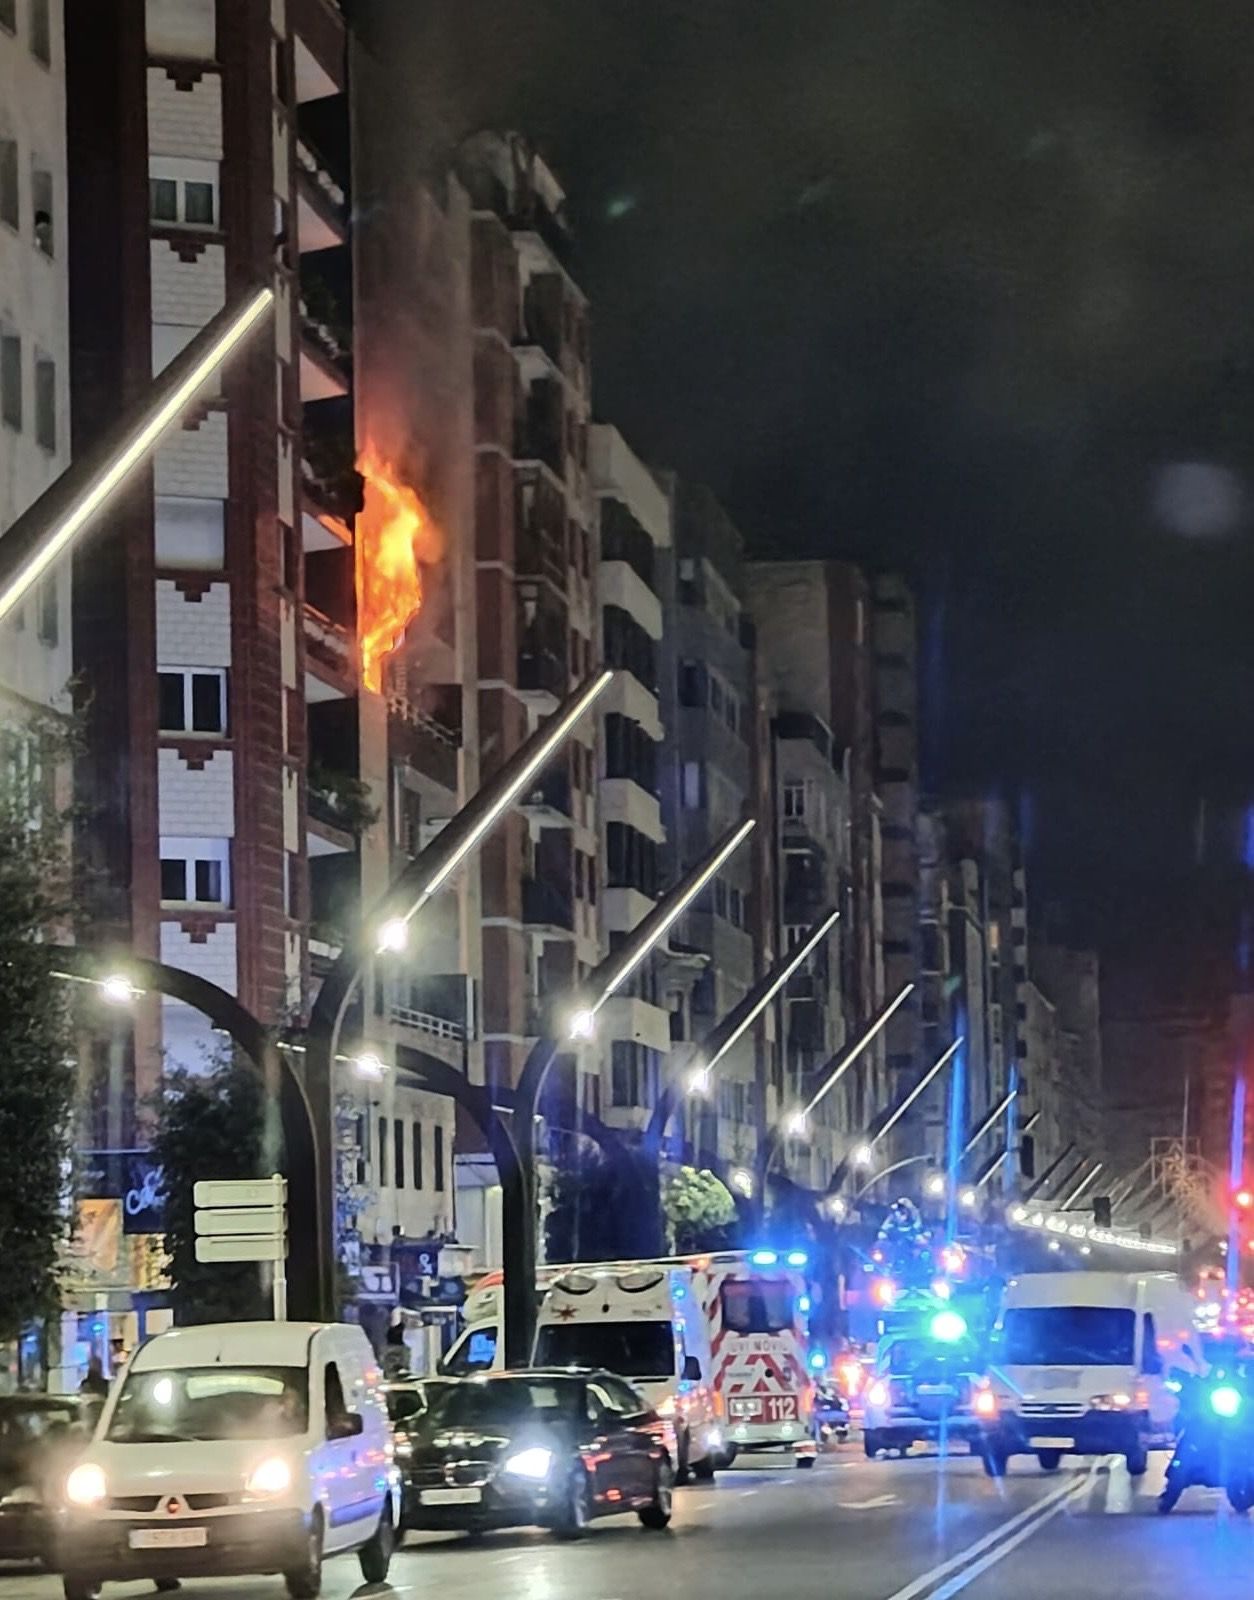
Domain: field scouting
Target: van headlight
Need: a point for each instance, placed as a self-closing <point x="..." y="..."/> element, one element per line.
<point x="1119" y="1401"/>
<point x="86" y="1485"/>
<point x="533" y="1463"/>
<point x="271" y="1476"/>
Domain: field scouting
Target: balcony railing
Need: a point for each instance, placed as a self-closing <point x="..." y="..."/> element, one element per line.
<point x="541" y="672"/>
<point x="550" y="792"/>
<point x="444" y="1028"/>
<point x="312" y="165"/>
<point x="330" y="643"/>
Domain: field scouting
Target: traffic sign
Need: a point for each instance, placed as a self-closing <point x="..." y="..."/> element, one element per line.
<point x="251" y="1247"/>
<point x="247" y="1219"/>
<point x="270" y="1192"/>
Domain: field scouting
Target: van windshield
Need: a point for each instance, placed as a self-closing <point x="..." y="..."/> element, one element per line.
<point x="211" y="1403"/>
<point x="1072" y="1336"/>
<point x="632" y="1349"/>
<point x="757" y="1305"/>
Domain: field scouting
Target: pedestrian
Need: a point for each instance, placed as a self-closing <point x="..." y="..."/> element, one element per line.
<point x="95" y="1382"/>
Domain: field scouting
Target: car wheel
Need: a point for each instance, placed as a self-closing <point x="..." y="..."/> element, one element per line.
<point x="375" y="1555"/>
<point x="657" y="1515"/>
<point x="571" y="1520"/>
<point x="683" y="1445"/>
<point x="76" y="1587"/>
<point x="704" y="1469"/>
<point x="304" y="1581"/>
<point x="994" y="1459"/>
<point x="1241" y="1496"/>
<point x="726" y="1457"/>
<point x="1137" y="1460"/>
<point x="871" y="1444"/>
<point x="1049" y="1460"/>
<point x="805" y="1461"/>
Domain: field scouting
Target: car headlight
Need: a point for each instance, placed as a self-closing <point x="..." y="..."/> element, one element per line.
<point x="533" y="1463"/>
<point x="1225" y="1401"/>
<point x="877" y="1394"/>
<point x="984" y="1403"/>
<point x="271" y="1476"/>
<point x="403" y="1449"/>
<point x="1119" y="1401"/>
<point x="86" y="1485"/>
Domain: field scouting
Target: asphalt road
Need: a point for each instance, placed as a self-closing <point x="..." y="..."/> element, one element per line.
<point x="849" y="1530"/>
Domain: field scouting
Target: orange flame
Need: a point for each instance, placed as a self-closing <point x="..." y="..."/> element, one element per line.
<point x="395" y="538"/>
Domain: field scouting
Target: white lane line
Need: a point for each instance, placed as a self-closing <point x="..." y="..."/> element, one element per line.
<point x="1120" y="1490"/>
<point x="876" y="1503"/>
<point x="961" y="1579"/>
<point x="1046" y="1504"/>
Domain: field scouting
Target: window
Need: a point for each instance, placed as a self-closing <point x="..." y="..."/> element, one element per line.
<point x="11" y="379"/>
<point x="183" y="193"/>
<point x="691" y="683"/>
<point x="795" y="799"/>
<point x="398" y="1152"/>
<point x="437" y="1152"/>
<point x="48" y="618"/>
<point x="190" y="534"/>
<point x="41" y="207"/>
<point x="633" y="1073"/>
<point x="10" y="205"/>
<point x="40" y="32"/>
<point x="46" y="402"/>
<point x="756" y="1305"/>
<point x="716" y="694"/>
<point x="692" y="785"/>
<point x="8" y="15"/>
<point x="1071" y="1336"/>
<point x="634" y="1349"/>
<point x="383" y="1152"/>
<point x="1151" y="1360"/>
<point x="416" y="1162"/>
<point x="196" y="872"/>
<point x="333" y="1397"/>
<point x="191" y="700"/>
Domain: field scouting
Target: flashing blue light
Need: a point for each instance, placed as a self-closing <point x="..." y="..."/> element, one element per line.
<point x="764" y="1258"/>
<point x="1225" y="1401"/>
<point x="818" y="1360"/>
<point x="949" y="1326"/>
<point x="797" y="1258"/>
<point x="803" y="1302"/>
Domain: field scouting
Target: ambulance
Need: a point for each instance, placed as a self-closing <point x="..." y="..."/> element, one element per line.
<point x="717" y="1341"/>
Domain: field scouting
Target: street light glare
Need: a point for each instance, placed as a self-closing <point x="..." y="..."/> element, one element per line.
<point x="368" y="1066"/>
<point x="742" y="1181"/>
<point x="699" y="1080"/>
<point x="863" y="1156"/>
<point x="117" y="989"/>
<point x="393" y="936"/>
<point x="795" y="1125"/>
<point x="968" y="1197"/>
<point x="582" y="1024"/>
<point x="935" y="1185"/>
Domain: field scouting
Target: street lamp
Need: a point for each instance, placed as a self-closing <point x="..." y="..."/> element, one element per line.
<point x="934" y="1186"/>
<point x="582" y="1024"/>
<point x="968" y="1198"/>
<point x="796" y="1124"/>
<point x="741" y="1180"/>
<point x="117" y="989"/>
<point x="699" y="1080"/>
<point x="393" y="936"/>
<point x="863" y="1156"/>
<point x="369" y="1066"/>
<point x="914" y="1094"/>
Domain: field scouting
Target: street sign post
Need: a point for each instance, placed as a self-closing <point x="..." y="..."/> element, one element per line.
<point x="245" y="1219"/>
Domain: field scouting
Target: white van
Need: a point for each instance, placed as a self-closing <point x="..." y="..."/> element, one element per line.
<point x="236" y="1448"/>
<point x="1081" y="1363"/>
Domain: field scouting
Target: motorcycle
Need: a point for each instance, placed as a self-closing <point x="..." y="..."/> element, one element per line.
<point x="1215" y="1444"/>
<point x="830" y="1418"/>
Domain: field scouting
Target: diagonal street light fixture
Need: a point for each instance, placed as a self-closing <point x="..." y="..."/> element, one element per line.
<point x="852" y="1054"/>
<point x="937" y="1066"/>
<point x="1002" y="1105"/>
<point x="1081" y="1187"/>
<point x="995" y="1162"/>
<point x="48" y="527"/>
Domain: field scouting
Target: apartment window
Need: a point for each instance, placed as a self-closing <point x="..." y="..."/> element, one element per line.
<point x="359" y="1147"/>
<point x="794" y="935"/>
<point x="46" y="402"/>
<point x="191" y="699"/>
<point x="795" y="800"/>
<point x="190" y="534"/>
<point x="720" y="897"/>
<point x="437" y="1153"/>
<point x="692" y="785"/>
<point x="48" y="612"/>
<point x="398" y="1152"/>
<point x="416" y="1162"/>
<point x="691" y="684"/>
<point x="736" y="906"/>
<point x="10" y="203"/>
<point x="716" y="694"/>
<point x="182" y="193"/>
<point x="41" y="206"/>
<point x="383" y="1152"/>
<point x="8" y="15"/>
<point x="40" y="32"/>
<point x="196" y="872"/>
<point x="11" y="379"/>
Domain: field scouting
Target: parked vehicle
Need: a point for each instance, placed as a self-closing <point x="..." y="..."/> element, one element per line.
<point x="554" y="1448"/>
<point x="41" y="1436"/>
<point x="235" y="1448"/>
<point x="922" y="1389"/>
<point x="1079" y="1365"/>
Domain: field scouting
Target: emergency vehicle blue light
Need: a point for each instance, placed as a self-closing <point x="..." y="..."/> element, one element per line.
<point x="803" y="1302"/>
<point x="764" y="1258"/>
<point x="949" y="1326"/>
<point x="818" y="1360"/>
<point x="797" y="1258"/>
<point x="1225" y="1401"/>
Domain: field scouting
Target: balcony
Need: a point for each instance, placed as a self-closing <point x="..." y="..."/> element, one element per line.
<point x="548" y="910"/>
<point x="326" y="361"/>
<point x="423" y="742"/>
<point x="321" y="204"/>
<point x="329" y="477"/>
<point x="331" y="653"/>
<point x="340" y="800"/>
<point x="542" y="673"/>
<point x="548" y="799"/>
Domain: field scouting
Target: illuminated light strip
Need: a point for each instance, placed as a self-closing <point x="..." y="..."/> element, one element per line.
<point x="557" y="733"/>
<point x="987" y="1124"/>
<point x="857" y="1050"/>
<point x="1122" y="1241"/>
<point x="98" y="491"/>
<point x="1082" y="1186"/>
<point x="681" y="904"/>
<point x="992" y="1169"/>
<point x="801" y="953"/>
<point x="916" y="1091"/>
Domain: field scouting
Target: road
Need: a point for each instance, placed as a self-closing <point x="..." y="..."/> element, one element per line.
<point x="850" y="1530"/>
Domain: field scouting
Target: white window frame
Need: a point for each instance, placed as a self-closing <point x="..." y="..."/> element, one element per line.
<point x="187" y="674"/>
<point x="794" y="790"/>
<point x="190" y="852"/>
<point x="181" y="171"/>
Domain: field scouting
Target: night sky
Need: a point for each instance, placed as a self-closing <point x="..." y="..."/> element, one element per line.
<point x="966" y="287"/>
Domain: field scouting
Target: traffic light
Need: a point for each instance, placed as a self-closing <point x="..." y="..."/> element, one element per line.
<point x="1101" y="1211"/>
<point x="1027" y="1156"/>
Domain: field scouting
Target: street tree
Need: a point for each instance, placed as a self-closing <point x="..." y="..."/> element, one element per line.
<point x="698" y="1210"/>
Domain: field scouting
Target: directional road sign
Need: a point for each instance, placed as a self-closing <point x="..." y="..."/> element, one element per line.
<point x="252" y="1248"/>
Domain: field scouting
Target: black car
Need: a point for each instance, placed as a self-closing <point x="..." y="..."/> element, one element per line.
<point x="41" y="1436"/>
<point x="553" y="1447"/>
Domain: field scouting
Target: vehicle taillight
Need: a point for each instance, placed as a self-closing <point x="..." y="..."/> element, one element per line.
<point x="985" y="1403"/>
<point x="877" y="1394"/>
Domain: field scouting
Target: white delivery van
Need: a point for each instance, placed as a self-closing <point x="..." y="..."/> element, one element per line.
<point x="1080" y="1363"/>
<point x="645" y="1321"/>
<point x="236" y="1448"/>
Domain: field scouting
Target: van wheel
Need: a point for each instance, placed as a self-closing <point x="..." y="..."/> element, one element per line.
<point x="75" y="1587"/>
<point x="803" y="1462"/>
<point x="304" y="1581"/>
<point x="683" y="1445"/>
<point x="571" y="1521"/>
<point x="1049" y="1460"/>
<point x="375" y="1555"/>
<point x="1137" y="1460"/>
<point x="657" y="1515"/>
<point x="871" y="1444"/>
<point x="704" y="1469"/>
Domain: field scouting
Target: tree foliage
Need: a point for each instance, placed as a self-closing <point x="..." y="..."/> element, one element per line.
<point x="698" y="1210"/>
<point x="37" y="1075"/>
<point x="594" y="1208"/>
<point x="209" y="1125"/>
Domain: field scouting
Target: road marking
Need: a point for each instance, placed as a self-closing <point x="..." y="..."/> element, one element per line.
<point x="1039" y="1511"/>
<point x="1120" y="1489"/>
<point x="876" y="1503"/>
<point x="961" y="1579"/>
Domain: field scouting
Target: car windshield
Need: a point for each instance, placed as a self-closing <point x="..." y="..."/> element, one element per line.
<point x="502" y="1402"/>
<point x="925" y="1355"/>
<point x="632" y="1349"/>
<point x="1069" y="1336"/>
<point x="211" y="1403"/>
<point x="757" y="1305"/>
